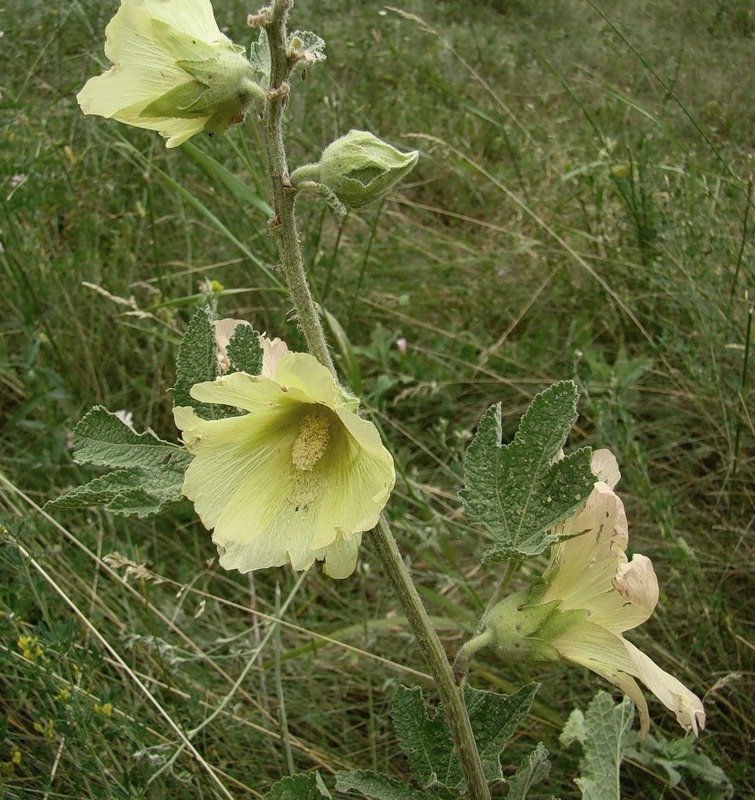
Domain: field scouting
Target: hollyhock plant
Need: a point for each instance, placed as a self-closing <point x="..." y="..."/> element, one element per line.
<point x="174" y="71"/>
<point x="297" y="478"/>
<point x="588" y="596"/>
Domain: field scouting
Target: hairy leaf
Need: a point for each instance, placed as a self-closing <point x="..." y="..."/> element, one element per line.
<point x="148" y="472"/>
<point x="603" y="733"/>
<point x="298" y="787"/>
<point x="518" y="491"/>
<point x="427" y="741"/>
<point x="307" y="47"/>
<point x="244" y="351"/>
<point x="382" y="787"/>
<point x="678" y="758"/>
<point x="532" y="769"/>
<point x="259" y="55"/>
<point x="197" y="362"/>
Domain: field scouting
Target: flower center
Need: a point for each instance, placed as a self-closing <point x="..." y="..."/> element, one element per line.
<point x="312" y="440"/>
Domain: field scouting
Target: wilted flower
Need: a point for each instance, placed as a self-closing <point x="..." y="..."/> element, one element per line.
<point x="588" y="596"/>
<point x="297" y="478"/>
<point x="174" y="72"/>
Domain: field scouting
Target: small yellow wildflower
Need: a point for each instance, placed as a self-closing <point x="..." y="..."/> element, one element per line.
<point x="46" y="727"/>
<point x="104" y="710"/>
<point x="63" y="696"/>
<point x="29" y="647"/>
<point x="296" y="479"/>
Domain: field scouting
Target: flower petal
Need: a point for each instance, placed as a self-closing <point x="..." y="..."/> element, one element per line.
<point x="686" y="706"/>
<point x="605" y="467"/>
<point x="158" y="48"/>
<point x="249" y="392"/>
<point x="272" y="352"/>
<point x="303" y="372"/>
<point x="582" y="566"/>
<point x="224" y="332"/>
<point x="269" y="500"/>
<point x="134" y="23"/>
<point x="605" y="654"/>
<point x="613" y="657"/>
<point x="341" y="556"/>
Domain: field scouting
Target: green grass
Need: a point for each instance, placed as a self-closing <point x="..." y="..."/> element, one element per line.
<point x="580" y="210"/>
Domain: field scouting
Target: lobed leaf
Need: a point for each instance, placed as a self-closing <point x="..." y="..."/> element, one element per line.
<point x="148" y="472"/>
<point x="427" y="743"/>
<point x="519" y="491"/>
<point x="382" y="787"/>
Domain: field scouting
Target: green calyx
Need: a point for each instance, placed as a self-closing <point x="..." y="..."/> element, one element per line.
<point x="520" y="630"/>
<point x="360" y="168"/>
<point x="220" y="87"/>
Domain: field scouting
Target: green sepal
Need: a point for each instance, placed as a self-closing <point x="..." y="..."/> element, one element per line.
<point x="520" y="628"/>
<point x="148" y="472"/>
<point x="360" y="168"/>
<point x="518" y="491"/>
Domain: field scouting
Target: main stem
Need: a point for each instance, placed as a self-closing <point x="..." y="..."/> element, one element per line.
<point x="283" y="227"/>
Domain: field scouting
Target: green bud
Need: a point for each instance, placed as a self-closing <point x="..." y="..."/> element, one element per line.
<point x="360" y="168"/>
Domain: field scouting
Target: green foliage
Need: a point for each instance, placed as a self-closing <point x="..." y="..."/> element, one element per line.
<point x="603" y="732"/>
<point x="383" y="787"/>
<point x="197" y="361"/>
<point x="489" y="305"/>
<point x="533" y="769"/>
<point x="147" y="471"/>
<point x="680" y="759"/>
<point x="426" y="741"/>
<point x="244" y="351"/>
<point x="518" y="491"/>
<point x="298" y="787"/>
<point x="259" y="55"/>
<point x="307" y="47"/>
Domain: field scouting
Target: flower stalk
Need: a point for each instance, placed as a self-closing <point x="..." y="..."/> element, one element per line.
<point x="283" y="227"/>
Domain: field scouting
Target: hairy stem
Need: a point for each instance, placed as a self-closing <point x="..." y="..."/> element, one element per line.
<point x="283" y="227"/>
<point x="451" y="695"/>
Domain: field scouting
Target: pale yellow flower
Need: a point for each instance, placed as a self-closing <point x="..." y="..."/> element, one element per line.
<point x="297" y="478"/>
<point x="174" y="71"/>
<point x="589" y="595"/>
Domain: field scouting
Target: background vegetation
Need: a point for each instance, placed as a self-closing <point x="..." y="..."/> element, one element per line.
<point x="580" y="210"/>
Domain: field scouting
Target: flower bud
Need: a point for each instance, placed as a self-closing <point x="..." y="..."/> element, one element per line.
<point x="360" y="168"/>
